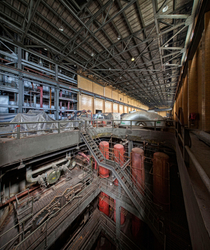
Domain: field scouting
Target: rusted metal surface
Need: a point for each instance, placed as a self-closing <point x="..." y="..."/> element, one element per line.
<point x="161" y="170"/>
<point x="103" y="204"/>
<point x="122" y="214"/>
<point x="119" y="157"/>
<point x="137" y="168"/>
<point x="104" y="147"/>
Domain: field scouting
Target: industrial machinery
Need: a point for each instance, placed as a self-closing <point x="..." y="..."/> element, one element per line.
<point x="143" y="118"/>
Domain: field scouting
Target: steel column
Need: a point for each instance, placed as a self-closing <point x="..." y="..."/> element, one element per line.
<point x="20" y="83"/>
<point x="118" y="208"/>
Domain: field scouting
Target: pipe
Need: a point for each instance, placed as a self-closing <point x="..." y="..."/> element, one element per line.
<point x="41" y="96"/>
<point x="39" y="178"/>
<point x="19" y="196"/>
<point x="50" y="99"/>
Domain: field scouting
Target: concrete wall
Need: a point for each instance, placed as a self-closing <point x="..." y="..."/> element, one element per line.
<point x="13" y="151"/>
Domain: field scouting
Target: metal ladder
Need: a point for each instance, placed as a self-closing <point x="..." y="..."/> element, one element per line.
<point x="146" y="209"/>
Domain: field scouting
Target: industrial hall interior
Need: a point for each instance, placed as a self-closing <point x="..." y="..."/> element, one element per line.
<point x="105" y="124"/>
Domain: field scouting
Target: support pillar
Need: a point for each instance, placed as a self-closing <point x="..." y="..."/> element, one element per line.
<point x="56" y="103"/>
<point x="118" y="208"/>
<point x="185" y="100"/>
<point x="56" y="100"/>
<point x="20" y="83"/>
<point x="192" y="88"/>
<point x="130" y="146"/>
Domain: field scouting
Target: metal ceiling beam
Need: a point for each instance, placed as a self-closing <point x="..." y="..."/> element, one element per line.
<point x="121" y="42"/>
<point x="30" y="17"/>
<point x="172" y="16"/>
<point x="85" y="25"/>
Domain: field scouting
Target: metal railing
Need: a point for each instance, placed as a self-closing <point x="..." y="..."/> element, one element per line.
<point x="184" y="141"/>
<point x="135" y="191"/>
<point x="19" y="130"/>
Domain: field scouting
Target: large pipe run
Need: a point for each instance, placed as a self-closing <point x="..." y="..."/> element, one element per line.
<point x="40" y="178"/>
<point x="161" y="194"/>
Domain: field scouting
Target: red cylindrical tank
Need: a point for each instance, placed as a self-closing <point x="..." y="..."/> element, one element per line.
<point x="104" y="147"/>
<point x="122" y="216"/>
<point x="119" y="157"/>
<point x="136" y="225"/>
<point x="161" y="194"/>
<point x="103" y="204"/>
<point x="138" y="171"/>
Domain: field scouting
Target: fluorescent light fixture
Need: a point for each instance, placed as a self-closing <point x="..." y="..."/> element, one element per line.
<point x="61" y="28"/>
<point x="92" y="54"/>
<point x="165" y="9"/>
<point x="45" y="48"/>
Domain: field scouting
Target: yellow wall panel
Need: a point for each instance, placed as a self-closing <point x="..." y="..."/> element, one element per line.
<point x="108" y="92"/>
<point x="86" y="102"/>
<point x="98" y="89"/>
<point x="162" y="113"/>
<point x="115" y="95"/>
<point x="84" y="83"/>
<point x="108" y="106"/>
<point x="115" y="108"/>
<point x="98" y="104"/>
<point x="125" y="99"/>
<point x="121" y="98"/>
<point x="125" y="109"/>
<point x="121" y="110"/>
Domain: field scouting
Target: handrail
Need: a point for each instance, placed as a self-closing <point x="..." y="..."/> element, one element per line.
<point x="186" y="144"/>
<point x="133" y="192"/>
<point x="58" y="123"/>
<point x="201" y="172"/>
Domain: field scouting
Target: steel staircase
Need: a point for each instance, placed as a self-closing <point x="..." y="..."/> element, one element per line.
<point x="146" y="209"/>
